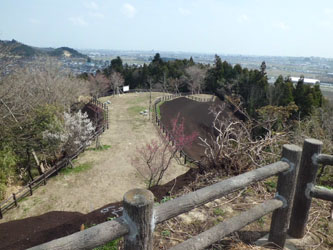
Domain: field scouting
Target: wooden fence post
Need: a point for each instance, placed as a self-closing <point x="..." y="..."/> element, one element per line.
<point x="30" y="188"/>
<point x="306" y="176"/>
<point x="138" y="214"/>
<point x="285" y="191"/>
<point x="14" y="198"/>
<point x="44" y="178"/>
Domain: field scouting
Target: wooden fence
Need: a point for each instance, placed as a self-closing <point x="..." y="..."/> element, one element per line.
<point x="296" y="179"/>
<point x="27" y="190"/>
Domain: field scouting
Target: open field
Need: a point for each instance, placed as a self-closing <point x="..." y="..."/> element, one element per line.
<point x="105" y="175"/>
<point x="327" y="92"/>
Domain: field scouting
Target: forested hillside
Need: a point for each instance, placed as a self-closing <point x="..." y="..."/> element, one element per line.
<point x="14" y="48"/>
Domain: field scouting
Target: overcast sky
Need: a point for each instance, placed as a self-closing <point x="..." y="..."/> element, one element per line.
<point x="249" y="27"/>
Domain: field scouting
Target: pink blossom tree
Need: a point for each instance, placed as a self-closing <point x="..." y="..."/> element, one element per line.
<point x="154" y="158"/>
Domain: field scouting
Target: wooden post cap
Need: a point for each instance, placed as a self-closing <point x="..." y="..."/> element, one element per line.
<point x="313" y="141"/>
<point x="139" y="197"/>
<point x="138" y="214"/>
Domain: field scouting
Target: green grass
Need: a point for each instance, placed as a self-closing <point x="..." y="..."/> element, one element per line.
<point x="135" y="110"/>
<point x="261" y="221"/>
<point x="271" y="185"/>
<point x="165" y="199"/>
<point x="158" y="110"/>
<point x="112" y="245"/>
<point x="166" y="233"/>
<point x="82" y="167"/>
<point x="218" y="211"/>
<point x="100" y="148"/>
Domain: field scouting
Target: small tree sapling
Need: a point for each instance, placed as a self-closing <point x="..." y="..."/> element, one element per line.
<point x="154" y="158"/>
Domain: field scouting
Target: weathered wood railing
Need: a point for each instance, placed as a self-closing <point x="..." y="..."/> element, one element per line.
<point x="306" y="189"/>
<point x="140" y="217"/>
<point x="27" y="190"/>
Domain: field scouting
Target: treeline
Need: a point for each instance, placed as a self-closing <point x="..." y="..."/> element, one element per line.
<point x="221" y="78"/>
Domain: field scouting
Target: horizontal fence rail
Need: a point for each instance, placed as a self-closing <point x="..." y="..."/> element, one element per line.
<point x="137" y="224"/>
<point x="27" y="190"/>
<point x="321" y="193"/>
<point x="89" y="238"/>
<point x="122" y="226"/>
<point x="189" y="201"/>
<point x="325" y="159"/>
<point x="229" y="226"/>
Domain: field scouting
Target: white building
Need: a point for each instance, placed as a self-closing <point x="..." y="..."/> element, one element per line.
<point x="306" y="80"/>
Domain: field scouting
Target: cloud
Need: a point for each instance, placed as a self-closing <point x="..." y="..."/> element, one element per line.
<point x="282" y="26"/>
<point x="91" y="5"/>
<point x="184" y="12"/>
<point x="78" y="21"/>
<point x="243" y="18"/>
<point x="98" y="15"/>
<point x="129" y="10"/>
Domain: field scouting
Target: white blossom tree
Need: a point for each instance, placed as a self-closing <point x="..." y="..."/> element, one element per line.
<point x="77" y="131"/>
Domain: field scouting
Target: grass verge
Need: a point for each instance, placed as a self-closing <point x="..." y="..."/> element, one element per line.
<point x="100" y="148"/>
<point x="158" y="111"/>
<point x="112" y="245"/>
<point x="82" y="167"/>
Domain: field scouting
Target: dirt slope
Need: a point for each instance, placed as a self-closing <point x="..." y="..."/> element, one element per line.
<point x="197" y="118"/>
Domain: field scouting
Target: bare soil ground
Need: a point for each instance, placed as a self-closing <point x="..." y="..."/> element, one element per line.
<point x="197" y="118"/>
<point x="111" y="173"/>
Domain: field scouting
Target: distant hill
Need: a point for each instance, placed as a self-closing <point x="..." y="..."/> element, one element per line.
<point x="14" y="48"/>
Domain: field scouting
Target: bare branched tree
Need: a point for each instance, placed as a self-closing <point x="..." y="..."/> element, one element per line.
<point x="196" y="78"/>
<point x="27" y="88"/>
<point x="174" y="84"/>
<point x="233" y="148"/>
<point x="99" y="84"/>
<point x="154" y="158"/>
<point x="116" y="80"/>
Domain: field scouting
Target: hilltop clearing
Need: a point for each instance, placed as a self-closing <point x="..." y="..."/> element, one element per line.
<point x="106" y="175"/>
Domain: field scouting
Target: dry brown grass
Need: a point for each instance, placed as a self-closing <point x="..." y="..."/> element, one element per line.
<point x="185" y="226"/>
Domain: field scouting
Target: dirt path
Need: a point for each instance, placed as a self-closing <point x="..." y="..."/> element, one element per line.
<point x="110" y="173"/>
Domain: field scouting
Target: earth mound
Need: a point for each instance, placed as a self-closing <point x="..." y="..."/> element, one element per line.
<point x="197" y="118"/>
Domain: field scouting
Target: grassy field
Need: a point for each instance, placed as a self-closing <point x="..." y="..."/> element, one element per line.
<point x="327" y="92"/>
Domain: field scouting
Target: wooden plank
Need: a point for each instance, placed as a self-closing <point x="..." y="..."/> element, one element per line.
<point x="229" y="226"/>
<point x="89" y="238"/>
<point x="325" y="159"/>
<point x="307" y="175"/>
<point x="321" y="193"/>
<point x="285" y="189"/>
<point x="138" y="214"/>
<point x="189" y="201"/>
